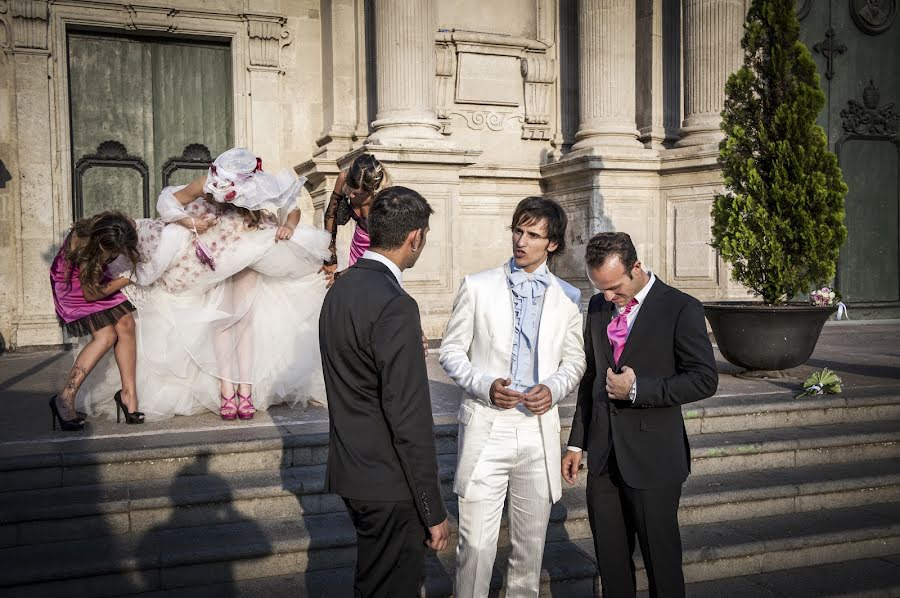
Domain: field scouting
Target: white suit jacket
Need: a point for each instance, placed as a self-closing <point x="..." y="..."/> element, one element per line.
<point x="477" y="349"/>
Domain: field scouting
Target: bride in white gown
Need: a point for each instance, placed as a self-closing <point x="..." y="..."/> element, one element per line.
<point x="228" y="295"/>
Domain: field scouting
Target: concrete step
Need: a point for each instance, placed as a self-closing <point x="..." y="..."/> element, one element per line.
<point x="58" y="514"/>
<point x="184" y="558"/>
<point x="863" y="578"/>
<point x="107" y="461"/>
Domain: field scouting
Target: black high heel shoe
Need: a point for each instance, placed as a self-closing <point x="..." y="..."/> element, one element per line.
<point x="66" y="425"/>
<point x="131" y="417"/>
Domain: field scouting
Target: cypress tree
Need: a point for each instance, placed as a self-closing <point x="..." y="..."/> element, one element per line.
<point x="780" y="223"/>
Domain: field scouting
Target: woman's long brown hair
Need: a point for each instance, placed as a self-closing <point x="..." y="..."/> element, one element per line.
<point x="107" y="236"/>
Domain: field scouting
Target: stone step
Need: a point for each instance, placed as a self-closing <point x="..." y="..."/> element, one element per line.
<point x="107" y="461"/>
<point x="863" y="578"/>
<point x="186" y="558"/>
<point x="58" y="514"/>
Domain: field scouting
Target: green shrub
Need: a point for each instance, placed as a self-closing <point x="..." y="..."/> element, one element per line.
<point x="780" y="223"/>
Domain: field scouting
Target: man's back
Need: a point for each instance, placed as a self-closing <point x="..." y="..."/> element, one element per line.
<point x="363" y="330"/>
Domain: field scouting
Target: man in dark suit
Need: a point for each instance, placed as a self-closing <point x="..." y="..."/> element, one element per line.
<point x="381" y="454"/>
<point x="647" y="353"/>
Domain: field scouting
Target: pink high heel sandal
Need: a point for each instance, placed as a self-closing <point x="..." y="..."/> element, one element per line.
<point x="245" y="409"/>
<point x="228" y="410"/>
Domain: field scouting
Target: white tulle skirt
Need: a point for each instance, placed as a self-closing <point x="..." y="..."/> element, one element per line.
<point x="253" y="320"/>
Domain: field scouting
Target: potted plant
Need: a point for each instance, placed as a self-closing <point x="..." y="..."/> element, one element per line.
<point x="780" y="222"/>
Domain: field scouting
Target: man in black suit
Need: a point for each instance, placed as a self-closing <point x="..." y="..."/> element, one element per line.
<point x="648" y="353"/>
<point x="381" y="454"/>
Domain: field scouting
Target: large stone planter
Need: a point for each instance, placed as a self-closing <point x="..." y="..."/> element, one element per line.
<point x="763" y="337"/>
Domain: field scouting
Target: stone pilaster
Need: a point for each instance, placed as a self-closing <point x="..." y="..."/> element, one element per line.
<point x="405" y="63"/>
<point x="606" y="32"/>
<point x="712" y="51"/>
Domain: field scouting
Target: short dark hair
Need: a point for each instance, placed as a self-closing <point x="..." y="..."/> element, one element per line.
<point x="534" y="209"/>
<point x="602" y="246"/>
<point x="395" y="212"/>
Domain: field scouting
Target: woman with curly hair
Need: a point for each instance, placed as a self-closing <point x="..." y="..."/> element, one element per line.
<point x="89" y="301"/>
<point x="353" y="192"/>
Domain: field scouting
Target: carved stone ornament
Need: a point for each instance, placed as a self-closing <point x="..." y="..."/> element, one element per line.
<point x="149" y="18"/>
<point x="873" y="16"/>
<point x="803" y="7"/>
<point x="539" y="74"/>
<point x="29" y="19"/>
<point x="477" y="120"/>
<point x="445" y="61"/>
<point x="267" y="37"/>
<point x="867" y="118"/>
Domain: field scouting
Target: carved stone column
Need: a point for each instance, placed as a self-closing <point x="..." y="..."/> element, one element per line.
<point x="405" y="63"/>
<point x="267" y="36"/>
<point x="37" y="224"/>
<point x="712" y="51"/>
<point x="606" y="32"/>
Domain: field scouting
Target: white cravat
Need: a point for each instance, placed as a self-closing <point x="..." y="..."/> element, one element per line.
<point x="395" y="270"/>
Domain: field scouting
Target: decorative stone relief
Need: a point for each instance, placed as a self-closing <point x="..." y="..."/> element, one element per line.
<point x="873" y="16"/>
<point x="149" y="18"/>
<point x="29" y="18"/>
<point x="445" y="60"/>
<point x="267" y="37"/>
<point x="477" y="120"/>
<point x="803" y="7"/>
<point x="539" y="73"/>
<point x="867" y="118"/>
<point x="828" y="47"/>
<point x="5" y="27"/>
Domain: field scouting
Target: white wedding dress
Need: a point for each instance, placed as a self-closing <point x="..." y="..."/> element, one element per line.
<point x="254" y="319"/>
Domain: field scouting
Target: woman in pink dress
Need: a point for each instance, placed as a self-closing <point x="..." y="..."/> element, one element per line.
<point x="90" y="302"/>
<point x="351" y="198"/>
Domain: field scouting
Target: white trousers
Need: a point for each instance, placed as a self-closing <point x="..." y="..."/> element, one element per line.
<point x="513" y="460"/>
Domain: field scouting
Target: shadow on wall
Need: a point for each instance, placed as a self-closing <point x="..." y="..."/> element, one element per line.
<point x="5" y="176"/>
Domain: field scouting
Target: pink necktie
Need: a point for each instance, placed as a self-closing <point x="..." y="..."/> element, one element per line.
<point x="617" y="330"/>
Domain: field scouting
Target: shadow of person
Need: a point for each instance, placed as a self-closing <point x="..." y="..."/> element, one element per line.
<point x="203" y="539"/>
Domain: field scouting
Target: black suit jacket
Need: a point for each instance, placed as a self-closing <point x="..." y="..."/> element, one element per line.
<point x="381" y="444"/>
<point x="669" y="350"/>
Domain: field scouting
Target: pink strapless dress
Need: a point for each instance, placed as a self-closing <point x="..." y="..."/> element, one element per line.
<point x="77" y="315"/>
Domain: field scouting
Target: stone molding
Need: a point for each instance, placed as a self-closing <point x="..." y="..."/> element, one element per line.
<point x="539" y="73"/>
<point x="30" y="19"/>
<point x="267" y="38"/>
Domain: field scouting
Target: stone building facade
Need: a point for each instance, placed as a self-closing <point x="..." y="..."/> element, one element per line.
<point x="610" y="106"/>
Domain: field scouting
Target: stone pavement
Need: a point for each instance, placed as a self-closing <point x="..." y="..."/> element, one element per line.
<point x="788" y="497"/>
<point x="866" y="354"/>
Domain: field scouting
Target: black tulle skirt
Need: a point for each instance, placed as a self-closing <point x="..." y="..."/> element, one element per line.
<point x="90" y="323"/>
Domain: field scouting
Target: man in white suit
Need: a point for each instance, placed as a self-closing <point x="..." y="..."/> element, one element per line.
<point x="514" y="345"/>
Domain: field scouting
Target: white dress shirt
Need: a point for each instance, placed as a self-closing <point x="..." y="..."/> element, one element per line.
<point x="395" y="270"/>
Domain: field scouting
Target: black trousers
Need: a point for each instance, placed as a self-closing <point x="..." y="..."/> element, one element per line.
<point x="390" y="548"/>
<point x="618" y="514"/>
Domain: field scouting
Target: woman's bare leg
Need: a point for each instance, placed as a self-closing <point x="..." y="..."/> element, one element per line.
<point x="102" y="340"/>
<point x="126" y="360"/>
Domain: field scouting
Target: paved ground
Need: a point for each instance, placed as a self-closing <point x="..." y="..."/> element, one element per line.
<point x="865" y="354"/>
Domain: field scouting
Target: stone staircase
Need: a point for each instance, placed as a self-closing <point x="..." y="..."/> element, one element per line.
<point x="787" y="498"/>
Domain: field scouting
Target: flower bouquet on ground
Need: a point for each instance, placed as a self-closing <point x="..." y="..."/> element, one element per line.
<point x="820" y="383"/>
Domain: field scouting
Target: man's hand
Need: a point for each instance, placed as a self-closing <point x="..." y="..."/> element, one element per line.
<point x="538" y="400"/>
<point x="618" y="386"/>
<point x="502" y="397"/>
<point x="425" y="344"/>
<point x="571" y="463"/>
<point x="439" y="536"/>
<point x="330" y="278"/>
